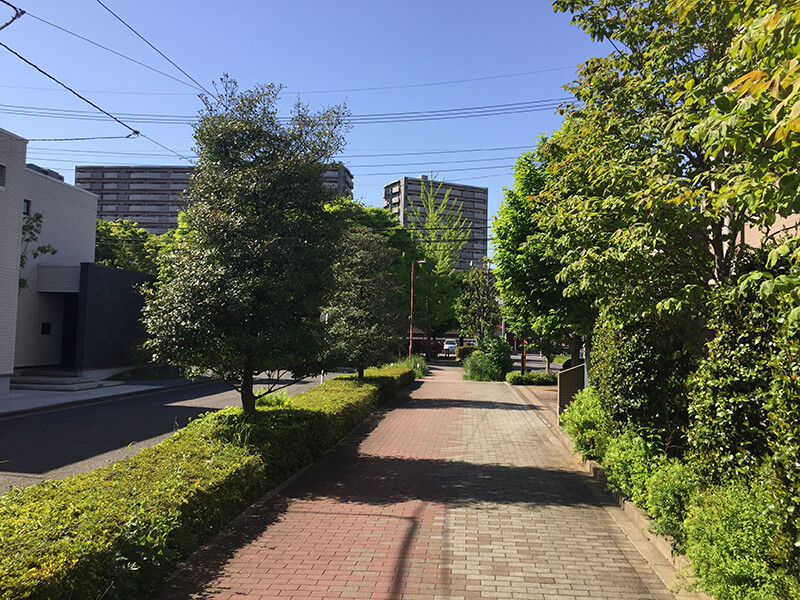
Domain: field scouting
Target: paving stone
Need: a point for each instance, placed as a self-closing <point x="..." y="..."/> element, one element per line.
<point x="457" y="491"/>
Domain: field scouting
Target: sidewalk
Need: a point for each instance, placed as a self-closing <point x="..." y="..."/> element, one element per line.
<point x="19" y="402"/>
<point x="458" y="490"/>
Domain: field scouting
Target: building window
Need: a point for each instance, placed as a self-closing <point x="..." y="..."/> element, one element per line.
<point x="26" y="207"/>
<point x="2" y="176"/>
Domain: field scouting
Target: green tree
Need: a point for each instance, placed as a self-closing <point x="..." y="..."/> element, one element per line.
<point x="363" y="323"/>
<point x="648" y="221"/>
<point x="240" y="293"/>
<point x="477" y="308"/>
<point x="125" y="245"/>
<point x="534" y="303"/>
<point x="31" y="229"/>
<point x="440" y="229"/>
<point x="398" y="238"/>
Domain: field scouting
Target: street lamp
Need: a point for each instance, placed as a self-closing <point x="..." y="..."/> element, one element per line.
<point x="411" y="320"/>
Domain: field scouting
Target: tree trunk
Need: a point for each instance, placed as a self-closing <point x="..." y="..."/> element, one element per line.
<point x="248" y="398"/>
<point x="547" y="362"/>
<point x="524" y="360"/>
<point x="361" y="372"/>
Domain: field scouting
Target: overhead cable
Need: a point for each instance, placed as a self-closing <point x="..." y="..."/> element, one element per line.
<point x="164" y="56"/>
<point x="436" y="83"/>
<point x="66" y="87"/>
<point x="107" y="49"/>
<point x="133" y="131"/>
<point x="372" y="118"/>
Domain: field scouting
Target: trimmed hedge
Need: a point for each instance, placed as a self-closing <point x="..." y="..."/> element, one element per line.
<point x="464" y="352"/>
<point x="529" y="378"/>
<point x="118" y="531"/>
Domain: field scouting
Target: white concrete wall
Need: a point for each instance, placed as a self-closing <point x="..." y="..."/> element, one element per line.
<point x="12" y="157"/>
<point x="69" y="224"/>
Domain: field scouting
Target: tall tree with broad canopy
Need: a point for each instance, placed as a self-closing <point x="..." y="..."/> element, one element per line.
<point x="363" y="321"/>
<point x="441" y="231"/>
<point x="650" y="222"/>
<point x="240" y="293"/>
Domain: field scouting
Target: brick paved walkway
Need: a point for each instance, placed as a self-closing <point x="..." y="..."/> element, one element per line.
<point x="459" y="491"/>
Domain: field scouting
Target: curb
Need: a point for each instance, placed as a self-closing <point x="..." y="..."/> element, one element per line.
<point x="634" y="515"/>
<point x="18" y="412"/>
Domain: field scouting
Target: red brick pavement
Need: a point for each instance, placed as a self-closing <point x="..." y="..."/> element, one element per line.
<point x="455" y="491"/>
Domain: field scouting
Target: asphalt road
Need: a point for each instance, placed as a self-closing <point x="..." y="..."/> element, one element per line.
<point x="70" y="440"/>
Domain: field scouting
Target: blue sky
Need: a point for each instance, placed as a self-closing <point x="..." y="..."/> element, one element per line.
<point x="418" y="53"/>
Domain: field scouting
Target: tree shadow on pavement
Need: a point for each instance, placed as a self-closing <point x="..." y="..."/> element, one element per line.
<point x="350" y="476"/>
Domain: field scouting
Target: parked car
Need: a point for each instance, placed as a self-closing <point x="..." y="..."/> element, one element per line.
<point x="449" y="346"/>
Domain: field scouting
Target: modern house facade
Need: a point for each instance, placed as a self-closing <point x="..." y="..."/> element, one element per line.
<point x="399" y="196"/>
<point x="13" y="151"/>
<point x="152" y="196"/>
<point x="47" y="309"/>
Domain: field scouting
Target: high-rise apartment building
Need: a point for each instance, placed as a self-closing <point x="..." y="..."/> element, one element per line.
<point x="153" y="196"/>
<point x="149" y="196"/>
<point x="400" y="195"/>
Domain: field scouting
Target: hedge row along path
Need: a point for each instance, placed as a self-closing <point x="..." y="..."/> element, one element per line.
<point x="455" y="490"/>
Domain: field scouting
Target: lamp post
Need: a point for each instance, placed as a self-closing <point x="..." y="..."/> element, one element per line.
<point x="411" y="320"/>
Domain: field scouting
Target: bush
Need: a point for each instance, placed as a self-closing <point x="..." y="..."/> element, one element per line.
<point x="463" y="352"/>
<point x="517" y="378"/>
<point x="479" y="367"/>
<point x="499" y="352"/>
<point x="416" y="362"/>
<point x="118" y="531"/>
<point x="639" y="372"/>
<point x="728" y="436"/>
<point x="628" y="462"/>
<point x="669" y="490"/>
<point x="731" y="535"/>
<point x="587" y="425"/>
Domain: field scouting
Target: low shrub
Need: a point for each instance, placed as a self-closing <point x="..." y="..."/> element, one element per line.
<point x="462" y="352"/>
<point x="116" y="532"/>
<point x="277" y="398"/>
<point x="731" y="538"/>
<point x="628" y="462"/>
<point x="586" y="424"/>
<point x="529" y="378"/>
<point x="479" y="367"/>
<point x="416" y="362"/>
<point x="669" y="490"/>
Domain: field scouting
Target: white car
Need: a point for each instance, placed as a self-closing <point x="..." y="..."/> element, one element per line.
<point x="449" y="346"/>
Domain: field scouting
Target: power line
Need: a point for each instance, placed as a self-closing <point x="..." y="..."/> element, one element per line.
<point x="119" y="92"/>
<point x="373" y="118"/>
<point x="107" y="49"/>
<point x="444" y="170"/>
<point x="18" y="12"/>
<point x="133" y="131"/>
<point x="446" y="162"/>
<point x="164" y="56"/>
<point x="342" y="157"/>
<point x="349" y="90"/>
<point x="66" y="87"/>
<point x="421" y="153"/>
<point x="437" y="83"/>
<point x="75" y="139"/>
